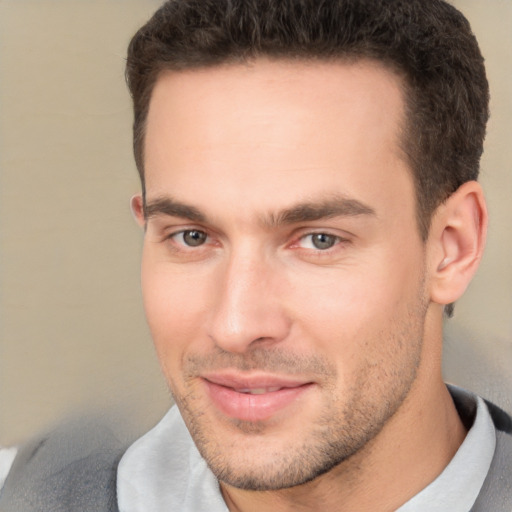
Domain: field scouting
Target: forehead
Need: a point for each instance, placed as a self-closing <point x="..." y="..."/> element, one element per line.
<point x="294" y="126"/>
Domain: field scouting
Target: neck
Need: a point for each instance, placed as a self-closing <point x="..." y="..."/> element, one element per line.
<point x="383" y="475"/>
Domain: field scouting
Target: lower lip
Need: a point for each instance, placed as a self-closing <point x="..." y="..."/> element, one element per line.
<point x="248" y="407"/>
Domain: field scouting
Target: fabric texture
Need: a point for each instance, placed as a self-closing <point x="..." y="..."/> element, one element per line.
<point x="71" y="469"/>
<point x="458" y="486"/>
<point x="76" y="469"/>
<point x="7" y="456"/>
<point x="496" y="493"/>
<point x="159" y="475"/>
<point x="164" y="471"/>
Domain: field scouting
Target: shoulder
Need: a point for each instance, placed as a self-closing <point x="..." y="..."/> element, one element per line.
<point x="70" y="468"/>
<point x="502" y="420"/>
<point x="496" y="493"/>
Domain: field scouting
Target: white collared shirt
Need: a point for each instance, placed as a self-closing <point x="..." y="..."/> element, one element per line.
<point x="163" y="471"/>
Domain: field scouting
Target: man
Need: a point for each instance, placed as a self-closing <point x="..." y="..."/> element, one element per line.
<point x="310" y="213"/>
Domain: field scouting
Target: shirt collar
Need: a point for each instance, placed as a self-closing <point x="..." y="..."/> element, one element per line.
<point x="458" y="486"/>
<point x="163" y="470"/>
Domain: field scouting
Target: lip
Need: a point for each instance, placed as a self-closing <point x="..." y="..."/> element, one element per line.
<point x="229" y="393"/>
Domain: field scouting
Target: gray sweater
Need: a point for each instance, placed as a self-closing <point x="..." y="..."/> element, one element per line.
<point x="74" y="470"/>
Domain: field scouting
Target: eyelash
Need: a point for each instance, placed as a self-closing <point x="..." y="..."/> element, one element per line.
<point x="192" y="232"/>
<point x="182" y="245"/>
<point x="336" y="241"/>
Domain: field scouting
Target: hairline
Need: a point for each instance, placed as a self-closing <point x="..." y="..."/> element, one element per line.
<point x="404" y="142"/>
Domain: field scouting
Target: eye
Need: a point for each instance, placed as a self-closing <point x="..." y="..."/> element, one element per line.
<point x="319" y="241"/>
<point x="191" y="237"/>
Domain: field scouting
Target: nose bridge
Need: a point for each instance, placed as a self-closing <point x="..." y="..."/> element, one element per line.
<point x="248" y="305"/>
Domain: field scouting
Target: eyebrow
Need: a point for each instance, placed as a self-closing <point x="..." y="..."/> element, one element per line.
<point x="336" y="206"/>
<point x="172" y="208"/>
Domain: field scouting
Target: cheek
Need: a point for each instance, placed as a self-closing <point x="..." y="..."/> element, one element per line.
<point x="175" y="307"/>
<point x="350" y="311"/>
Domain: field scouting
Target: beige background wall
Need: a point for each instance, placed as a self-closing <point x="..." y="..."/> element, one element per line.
<point x="72" y="332"/>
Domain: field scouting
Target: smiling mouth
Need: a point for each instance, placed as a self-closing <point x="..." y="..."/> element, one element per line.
<point x="254" y="401"/>
<point x="258" y="391"/>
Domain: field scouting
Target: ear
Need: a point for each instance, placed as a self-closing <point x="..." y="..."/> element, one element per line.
<point x="137" y="207"/>
<point x="456" y="242"/>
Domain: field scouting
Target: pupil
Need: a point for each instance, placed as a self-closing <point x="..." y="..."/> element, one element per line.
<point x="194" y="238"/>
<point x="323" y="241"/>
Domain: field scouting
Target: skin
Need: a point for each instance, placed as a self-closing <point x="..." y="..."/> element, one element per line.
<point x="278" y="203"/>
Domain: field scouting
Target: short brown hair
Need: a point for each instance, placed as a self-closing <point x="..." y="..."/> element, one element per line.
<point x="428" y="42"/>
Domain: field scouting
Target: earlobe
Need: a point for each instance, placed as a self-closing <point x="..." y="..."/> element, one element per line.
<point x="137" y="207"/>
<point x="456" y="242"/>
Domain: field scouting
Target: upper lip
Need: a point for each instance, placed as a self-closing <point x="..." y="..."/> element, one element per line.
<point x="254" y="381"/>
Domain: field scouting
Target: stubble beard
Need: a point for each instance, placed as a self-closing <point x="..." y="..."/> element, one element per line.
<point x="333" y="438"/>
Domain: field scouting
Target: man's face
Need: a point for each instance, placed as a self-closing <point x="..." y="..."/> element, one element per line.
<point x="283" y="273"/>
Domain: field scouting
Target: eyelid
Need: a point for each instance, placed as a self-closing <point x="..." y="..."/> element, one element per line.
<point x="310" y="231"/>
<point x="173" y="234"/>
<point x="168" y="232"/>
<point x="167" y="227"/>
<point x="337" y="239"/>
<point x="182" y="234"/>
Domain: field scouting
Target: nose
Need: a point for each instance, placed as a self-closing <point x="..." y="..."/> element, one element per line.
<point x="250" y="306"/>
